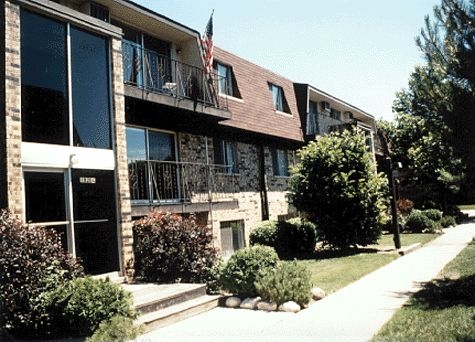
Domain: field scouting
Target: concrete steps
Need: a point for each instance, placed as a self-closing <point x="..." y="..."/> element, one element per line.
<point x="161" y="305"/>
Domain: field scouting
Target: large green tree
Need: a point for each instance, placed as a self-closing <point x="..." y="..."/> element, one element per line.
<point x="337" y="186"/>
<point x="433" y="134"/>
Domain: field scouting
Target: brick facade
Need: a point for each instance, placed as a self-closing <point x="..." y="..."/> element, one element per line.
<point x="12" y="118"/>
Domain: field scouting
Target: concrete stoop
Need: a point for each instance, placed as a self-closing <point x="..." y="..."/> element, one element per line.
<point x="161" y="305"/>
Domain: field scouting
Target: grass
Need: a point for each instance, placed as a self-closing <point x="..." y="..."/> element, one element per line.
<point x="444" y="310"/>
<point x="466" y="206"/>
<point x="335" y="273"/>
<point x="333" y="270"/>
<point x="406" y="239"/>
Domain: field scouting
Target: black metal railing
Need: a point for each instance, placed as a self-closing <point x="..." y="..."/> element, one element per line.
<point x="164" y="181"/>
<point x="154" y="72"/>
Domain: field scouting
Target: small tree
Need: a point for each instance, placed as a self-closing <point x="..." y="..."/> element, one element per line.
<point x="337" y="186"/>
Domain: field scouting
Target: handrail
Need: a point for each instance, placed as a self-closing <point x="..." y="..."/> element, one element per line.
<point x="154" y="181"/>
<point x="158" y="73"/>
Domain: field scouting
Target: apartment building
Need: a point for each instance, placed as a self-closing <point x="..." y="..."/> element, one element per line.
<point x="107" y="113"/>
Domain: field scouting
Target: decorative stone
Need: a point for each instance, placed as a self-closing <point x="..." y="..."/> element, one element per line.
<point x="318" y="293"/>
<point x="250" y="303"/>
<point x="233" y="302"/>
<point x="267" y="306"/>
<point x="289" y="307"/>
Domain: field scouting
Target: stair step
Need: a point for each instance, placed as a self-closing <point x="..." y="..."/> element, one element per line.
<point x="178" y="312"/>
<point x="153" y="297"/>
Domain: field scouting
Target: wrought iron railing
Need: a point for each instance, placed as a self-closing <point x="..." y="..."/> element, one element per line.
<point x="163" y="181"/>
<point x="154" y="72"/>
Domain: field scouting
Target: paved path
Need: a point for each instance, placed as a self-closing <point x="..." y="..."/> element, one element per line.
<point x="354" y="313"/>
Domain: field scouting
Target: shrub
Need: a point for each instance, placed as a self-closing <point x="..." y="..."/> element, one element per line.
<point x="211" y="278"/>
<point x="263" y="234"/>
<point x="433" y="214"/>
<point x="404" y="206"/>
<point x="288" y="281"/>
<point x="118" y="329"/>
<point x="417" y="222"/>
<point x="244" y="267"/>
<point x="295" y="238"/>
<point x="32" y="262"/>
<point x="79" y="306"/>
<point x="447" y="221"/>
<point x="336" y="185"/>
<point x="169" y="248"/>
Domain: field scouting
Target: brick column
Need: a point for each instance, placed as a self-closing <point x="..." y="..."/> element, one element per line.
<point x="122" y="170"/>
<point x="10" y="148"/>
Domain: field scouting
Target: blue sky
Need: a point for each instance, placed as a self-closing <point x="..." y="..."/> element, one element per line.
<point x="359" y="51"/>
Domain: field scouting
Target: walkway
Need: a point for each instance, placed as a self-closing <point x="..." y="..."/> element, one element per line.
<point x="354" y="313"/>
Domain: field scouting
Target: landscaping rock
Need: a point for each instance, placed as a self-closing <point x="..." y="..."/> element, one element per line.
<point x="289" y="307"/>
<point x="233" y="302"/>
<point x="267" y="306"/>
<point x="318" y="293"/>
<point x="250" y="303"/>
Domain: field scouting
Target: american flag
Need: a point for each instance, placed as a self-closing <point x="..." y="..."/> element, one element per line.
<point x="207" y="44"/>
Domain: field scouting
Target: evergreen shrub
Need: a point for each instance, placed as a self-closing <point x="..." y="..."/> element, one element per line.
<point x="289" y="281"/>
<point x="418" y="222"/>
<point x="244" y="267"/>
<point x="295" y="238"/>
<point x="263" y="234"/>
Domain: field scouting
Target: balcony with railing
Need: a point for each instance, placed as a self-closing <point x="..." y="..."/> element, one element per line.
<point x="165" y="182"/>
<point x="146" y="70"/>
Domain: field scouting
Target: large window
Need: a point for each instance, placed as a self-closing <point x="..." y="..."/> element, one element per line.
<point x="280" y="163"/>
<point x="225" y="153"/>
<point x="153" y="171"/>
<point x="62" y="103"/>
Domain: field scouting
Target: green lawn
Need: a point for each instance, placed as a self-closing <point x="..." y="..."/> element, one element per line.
<point x="333" y="270"/>
<point x="444" y="310"/>
<point x="334" y="273"/>
<point x="466" y="206"/>
<point x="406" y="239"/>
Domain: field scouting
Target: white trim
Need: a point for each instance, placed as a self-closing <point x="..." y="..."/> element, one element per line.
<point x="229" y="97"/>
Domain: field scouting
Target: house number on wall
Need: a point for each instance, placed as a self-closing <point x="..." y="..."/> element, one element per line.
<point x="87" y="180"/>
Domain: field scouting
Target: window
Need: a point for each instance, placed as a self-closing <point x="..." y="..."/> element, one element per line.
<point x="46" y="47"/>
<point x="153" y="170"/>
<point x="225" y="153"/>
<point x="280" y="163"/>
<point x="226" y="81"/>
<point x="99" y="12"/>
<point x="335" y="114"/>
<point x="232" y="237"/>
<point x="311" y="124"/>
<point x="278" y="98"/>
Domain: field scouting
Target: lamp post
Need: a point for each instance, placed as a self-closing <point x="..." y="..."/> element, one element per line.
<point x="392" y="187"/>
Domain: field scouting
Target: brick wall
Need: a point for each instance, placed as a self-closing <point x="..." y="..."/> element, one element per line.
<point x="123" y="190"/>
<point x="12" y="118"/>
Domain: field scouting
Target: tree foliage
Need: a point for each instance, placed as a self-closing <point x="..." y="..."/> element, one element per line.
<point x="337" y="186"/>
<point x="435" y="120"/>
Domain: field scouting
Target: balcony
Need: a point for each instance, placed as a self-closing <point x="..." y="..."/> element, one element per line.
<point x="173" y="82"/>
<point x="164" y="182"/>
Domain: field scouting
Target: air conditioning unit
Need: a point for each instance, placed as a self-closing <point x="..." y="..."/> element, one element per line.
<point x="325" y="107"/>
<point x="97" y="11"/>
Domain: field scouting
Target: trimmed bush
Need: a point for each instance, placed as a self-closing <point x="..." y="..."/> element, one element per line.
<point x="244" y="267"/>
<point x="79" y="306"/>
<point x="264" y="234"/>
<point x="288" y="281"/>
<point x="118" y="329"/>
<point x="295" y="238"/>
<point x="32" y="262"/>
<point x="417" y="222"/>
<point x="169" y="248"/>
<point x="447" y="221"/>
<point x="433" y="214"/>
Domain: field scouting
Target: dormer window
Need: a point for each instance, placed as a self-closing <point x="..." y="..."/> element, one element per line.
<point x="278" y="98"/>
<point x="226" y="81"/>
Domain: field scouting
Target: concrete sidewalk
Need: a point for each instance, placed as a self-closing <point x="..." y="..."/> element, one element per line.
<point x="354" y="313"/>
